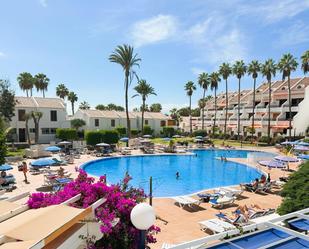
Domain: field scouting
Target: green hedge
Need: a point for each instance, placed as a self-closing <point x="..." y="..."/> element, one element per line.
<point x="295" y="192"/>
<point x="134" y="132"/>
<point x="121" y="130"/>
<point x="168" y="131"/>
<point x="102" y="136"/>
<point x="66" y="134"/>
<point x="202" y="133"/>
<point x="147" y="130"/>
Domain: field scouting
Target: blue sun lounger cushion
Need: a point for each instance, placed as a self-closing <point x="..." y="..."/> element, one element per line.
<point x="302" y="225"/>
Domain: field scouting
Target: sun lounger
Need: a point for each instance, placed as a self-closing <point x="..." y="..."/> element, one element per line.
<point x="184" y="201"/>
<point x="232" y="191"/>
<point x="216" y="225"/>
<point x="301" y="225"/>
<point x="239" y="220"/>
<point x="206" y="197"/>
<point x="259" y="213"/>
<point x="222" y="201"/>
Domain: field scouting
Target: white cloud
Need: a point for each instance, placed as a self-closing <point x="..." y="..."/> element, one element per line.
<point x="153" y="30"/>
<point x="275" y="10"/>
<point x="43" y="3"/>
<point x="293" y="35"/>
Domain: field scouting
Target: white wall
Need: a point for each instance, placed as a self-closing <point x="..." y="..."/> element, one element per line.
<point x="301" y="119"/>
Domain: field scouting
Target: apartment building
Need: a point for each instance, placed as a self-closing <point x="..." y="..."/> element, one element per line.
<point x="54" y="116"/>
<point x="109" y="120"/>
<point x="279" y="118"/>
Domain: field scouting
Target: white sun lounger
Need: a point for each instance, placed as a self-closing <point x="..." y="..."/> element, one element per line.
<point x="222" y="201"/>
<point x="186" y="201"/>
<point x="216" y="225"/>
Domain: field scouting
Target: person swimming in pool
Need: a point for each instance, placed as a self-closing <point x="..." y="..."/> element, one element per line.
<point x="177" y="175"/>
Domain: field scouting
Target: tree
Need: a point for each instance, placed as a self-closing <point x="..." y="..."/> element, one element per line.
<point x="41" y="83"/>
<point x="77" y="123"/>
<point x="286" y="65"/>
<point x="113" y="107"/>
<point x="143" y="90"/>
<point x="62" y="91"/>
<point x="84" y="105"/>
<point x="3" y="147"/>
<point x="100" y="107"/>
<point x="156" y="107"/>
<point x="72" y="97"/>
<point x="203" y="81"/>
<point x="184" y="112"/>
<point x="36" y="116"/>
<point x="125" y="57"/>
<point x="7" y="101"/>
<point x="305" y="62"/>
<point x="253" y="69"/>
<point x="239" y="69"/>
<point x="26" y="82"/>
<point x="28" y="116"/>
<point x="175" y="115"/>
<point x="225" y="71"/>
<point x="214" y="81"/>
<point x="190" y="88"/>
<point x="268" y="69"/>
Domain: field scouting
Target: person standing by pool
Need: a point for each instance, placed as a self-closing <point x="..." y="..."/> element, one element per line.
<point x="25" y="170"/>
<point x="177" y="175"/>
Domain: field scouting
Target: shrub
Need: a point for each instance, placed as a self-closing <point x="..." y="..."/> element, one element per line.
<point x="3" y="148"/>
<point x="134" y="132"/>
<point x="147" y="130"/>
<point x="202" y="133"/>
<point x="295" y="192"/>
<point x="168" y="131"/>
<point x="93" y="137"/>
<point x="66" y="134"/>
<point x="121" y="130"/>
<point x="263" y="139"/>
<point x="77" y="123"/>
<point x="277" y="140"/>
<point x="110" y="137"/>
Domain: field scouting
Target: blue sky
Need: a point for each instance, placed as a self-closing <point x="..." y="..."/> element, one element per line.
<point x="70" y="41"/>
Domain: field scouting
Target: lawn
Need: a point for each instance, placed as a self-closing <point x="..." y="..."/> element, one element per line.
<point x="18" y="152"/>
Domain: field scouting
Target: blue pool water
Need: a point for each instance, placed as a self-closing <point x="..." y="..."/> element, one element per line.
<point x="199" y="172"/>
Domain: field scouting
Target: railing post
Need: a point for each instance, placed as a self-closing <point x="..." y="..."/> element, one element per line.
<point x="150" y="191"/>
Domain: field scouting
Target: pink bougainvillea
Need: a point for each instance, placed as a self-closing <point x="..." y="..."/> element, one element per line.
<point x="114" y="215"/>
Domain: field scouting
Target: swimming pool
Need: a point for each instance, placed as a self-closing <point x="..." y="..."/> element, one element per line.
<point x="197" y="173"/>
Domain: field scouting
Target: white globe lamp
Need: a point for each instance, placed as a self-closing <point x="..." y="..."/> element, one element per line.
<point x="143" y="217"/>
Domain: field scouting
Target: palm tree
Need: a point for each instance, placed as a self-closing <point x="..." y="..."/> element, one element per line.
<point x="84" y="105"/>
<point x="286" y="65"/>
<point x="239" y="70"/>
<point x="36" y="116"/>
<point x="253" y="69"/>
<point x="203" y="81"/>
<point x="143" y="89"/>
<point x="28" y="116"/>
<point x="125" y="57"/>
<point x="41" y="83"/>
<point x="25" y="81"/>
<point x="190" y="88"/>
<point x="305" y="62"/>
<point x="214" y="81"/>
<point x="62" y="91"/>
<point x="72" y="97"/>
<point x="175" y="115"/>
<point x="268" y="69"/>
<point x="225" y="70"/>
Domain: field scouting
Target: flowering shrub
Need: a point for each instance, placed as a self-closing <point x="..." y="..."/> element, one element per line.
<point x="113" y="215"/>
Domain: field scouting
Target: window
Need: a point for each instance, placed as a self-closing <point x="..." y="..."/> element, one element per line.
<point x="45" y="130"/>
<point x="96" y="122"/>
<point x="162" y="123"/>
<point x="32" y="130"/>
<point x="53" y="116"/>
<point x="21" y="115"/>
<point x="146" y="122"/>
<point x="113" y="123"/>
<point x="299" y="86"/>
<point x="53" y="130"/>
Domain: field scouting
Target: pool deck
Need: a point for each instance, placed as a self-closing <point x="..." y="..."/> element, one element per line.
<point x="182" y="224"/>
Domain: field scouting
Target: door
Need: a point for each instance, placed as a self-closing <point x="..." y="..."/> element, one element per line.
<point x="22" y="135"/>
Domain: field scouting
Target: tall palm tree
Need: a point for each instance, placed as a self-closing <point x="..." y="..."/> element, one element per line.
<point x="225" y="70"/>
<point x="41" y="83"/>
<point x="125" y="57"/>
<point x="269" y="69"/>
<point x="26" y="82"/>
<point x="214" y="82"/>
<point x="175" y="115"/>
<point x="28" y="116"/>
<point x="72" y="97"/>
<point x="286" y="65"/>
<point x="253" y="69"/>
<point x="203" y="81"/>
<point x="62" y="91"/>
<point x="239" y="70"/>
<point x="84" y="105"/>
<point x="36" y="116"/>
<point x="190" y="88"/>
<point x="305" y="62"/>
<point x="143" y="89"/>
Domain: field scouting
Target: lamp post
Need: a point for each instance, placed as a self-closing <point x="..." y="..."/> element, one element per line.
<point x="142" y="217"/>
